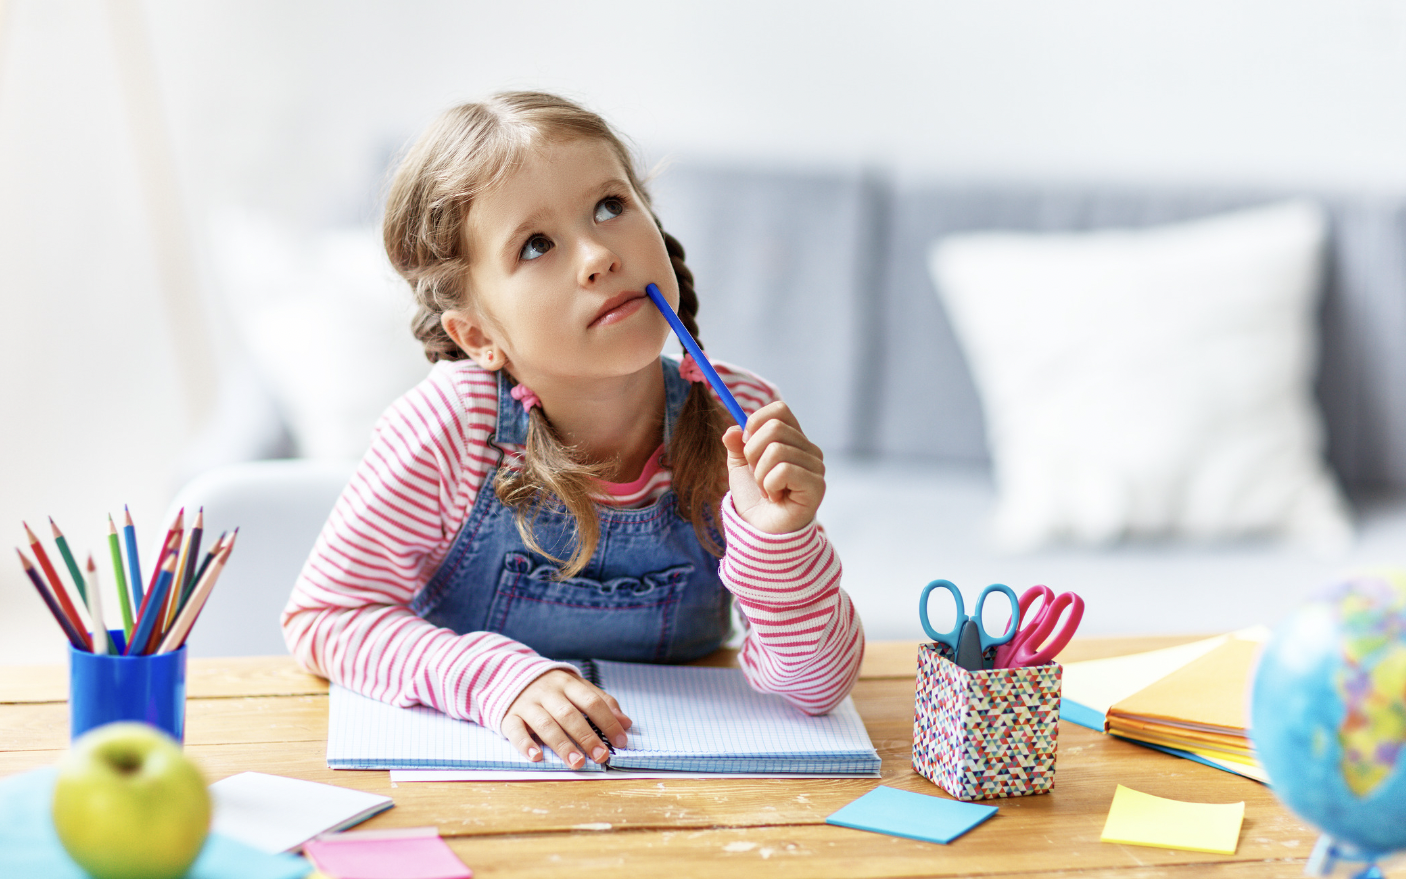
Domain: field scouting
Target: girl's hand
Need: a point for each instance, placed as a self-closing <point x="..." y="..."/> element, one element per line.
<point x="777" y="476"/>
<point x="555" y="708"/>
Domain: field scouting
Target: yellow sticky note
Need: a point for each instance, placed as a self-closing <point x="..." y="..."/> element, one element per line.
<point x="1137" y="818"/>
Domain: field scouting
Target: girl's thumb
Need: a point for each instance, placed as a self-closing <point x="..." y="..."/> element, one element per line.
<point x="736" y="448"/>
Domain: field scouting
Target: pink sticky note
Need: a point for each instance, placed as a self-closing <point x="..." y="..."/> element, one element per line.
<point x="411" y="853"/>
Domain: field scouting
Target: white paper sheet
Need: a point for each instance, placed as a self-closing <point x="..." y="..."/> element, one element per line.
<point x="276" y="814"/>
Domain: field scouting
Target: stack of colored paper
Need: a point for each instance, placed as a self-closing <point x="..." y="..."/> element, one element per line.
<point x="1187" y="700"/>
<point x="1198" y="708"/>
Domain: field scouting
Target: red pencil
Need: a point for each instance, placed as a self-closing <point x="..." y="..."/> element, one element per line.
<point x="75" y="637"/>
<point x="56" y="586"/>
<point x="168" y="574"/>
<point x="156" y="573"/>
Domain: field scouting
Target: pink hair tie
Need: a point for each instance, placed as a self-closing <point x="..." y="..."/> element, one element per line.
<point x="689" y="369"/>
<point x="523" y="394"/>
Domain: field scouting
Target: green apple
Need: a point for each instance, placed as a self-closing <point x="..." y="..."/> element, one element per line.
<point x="128" y="804"/>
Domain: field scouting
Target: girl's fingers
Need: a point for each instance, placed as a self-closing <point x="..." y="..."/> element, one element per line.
<point x="517" y="733"/>
<point x="542" y="722"/>
<point x="775" y="410"/>
<point x="797" y="485"/>
<point x="625" y="721"/>
<point x="570" y="719"/>
<point x="593" y="702"/>
<point x="777" y="455"/>
<point x="775" y="433"/>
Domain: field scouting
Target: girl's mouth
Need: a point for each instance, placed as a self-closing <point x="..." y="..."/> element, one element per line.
<point x="618" y="309"/>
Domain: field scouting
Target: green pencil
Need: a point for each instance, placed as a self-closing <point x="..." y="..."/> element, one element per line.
<point x="121" y="577"/>
<point x="68" y="560"/>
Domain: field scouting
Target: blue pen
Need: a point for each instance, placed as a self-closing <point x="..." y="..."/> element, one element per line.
<point x="691" y="346"/>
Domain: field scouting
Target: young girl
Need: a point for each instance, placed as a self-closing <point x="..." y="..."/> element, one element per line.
<point x="556" y="488"/>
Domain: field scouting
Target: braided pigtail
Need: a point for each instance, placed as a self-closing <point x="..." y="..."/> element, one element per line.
<point x="552" y="476"/>
<point x="696" y="453"/>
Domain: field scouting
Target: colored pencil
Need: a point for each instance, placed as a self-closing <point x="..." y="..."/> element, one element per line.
<point x="152" y="611"/>
<point x="134" y="561"/>
<point x="69" y="560"/>
<point x="102" y="643"/>
<point x="178" y="633"/>
<point x="155" y="575"/>
<point x="189" y="580"/>
<point x="64" y="622"/>
<point x="56" y="585"/>
<point x="690" y="344"/>
<point x="205" y="563"/>
<point x="177" y="525"/>
<point x="120" y="577"/>
<point x="186" y="567"/>
<point x="170" y="548"/>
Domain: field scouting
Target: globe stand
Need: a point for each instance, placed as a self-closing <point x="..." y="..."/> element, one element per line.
<point x="1328" y="852"/>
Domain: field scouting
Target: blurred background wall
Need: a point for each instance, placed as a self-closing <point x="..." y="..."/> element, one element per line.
<point x="139" y="139"/>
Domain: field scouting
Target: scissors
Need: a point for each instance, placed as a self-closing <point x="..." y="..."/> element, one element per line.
<point x="1033" y="644"/>
<point x="969" y="641"/>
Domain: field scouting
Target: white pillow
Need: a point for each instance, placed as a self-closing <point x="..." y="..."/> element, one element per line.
<point x="1152" y="382"/>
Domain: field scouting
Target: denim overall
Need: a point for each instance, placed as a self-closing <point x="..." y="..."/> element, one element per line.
<point x="650" y="593"/>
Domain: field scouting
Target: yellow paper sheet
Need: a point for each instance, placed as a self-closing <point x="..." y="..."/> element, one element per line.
<point x="1209" y="691"/>
<point x="1136" y="818"/>
<point x="1101" y="683"/>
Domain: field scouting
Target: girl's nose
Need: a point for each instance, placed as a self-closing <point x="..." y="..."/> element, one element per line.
<point x="597" y="261"/>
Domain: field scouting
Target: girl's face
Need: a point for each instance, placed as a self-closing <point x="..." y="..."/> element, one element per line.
<point x="561" y="252"/>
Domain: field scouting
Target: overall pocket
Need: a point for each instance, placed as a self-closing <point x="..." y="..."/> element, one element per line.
<point x="627" y="619"/>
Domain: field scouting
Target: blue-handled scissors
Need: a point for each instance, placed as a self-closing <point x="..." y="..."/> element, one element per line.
<point x="969" y="641"/>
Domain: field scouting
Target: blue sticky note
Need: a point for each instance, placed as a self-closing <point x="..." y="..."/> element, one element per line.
<point x="915" y="816"/>
<point x="29" y="846"/>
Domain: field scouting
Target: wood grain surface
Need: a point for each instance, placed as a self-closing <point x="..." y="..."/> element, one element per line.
<point x="263" y="714"/>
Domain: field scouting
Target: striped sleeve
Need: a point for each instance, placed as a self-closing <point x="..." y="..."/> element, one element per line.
<point x="804" y="639"/>
<point x="349" y="619"/>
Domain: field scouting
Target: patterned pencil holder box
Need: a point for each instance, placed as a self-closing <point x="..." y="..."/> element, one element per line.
<point x="985" y="734"/>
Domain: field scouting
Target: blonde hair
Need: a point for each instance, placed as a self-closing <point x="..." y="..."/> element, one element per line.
<point x="467" y="151"/>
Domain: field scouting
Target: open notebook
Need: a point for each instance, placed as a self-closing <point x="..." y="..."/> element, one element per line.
<point x="686" y="718"/>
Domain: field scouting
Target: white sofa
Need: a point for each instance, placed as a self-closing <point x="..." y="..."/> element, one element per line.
<point x="818" y="281"/>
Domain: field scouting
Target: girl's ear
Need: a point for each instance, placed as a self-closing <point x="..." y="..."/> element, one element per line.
<point x="469" y="333"/>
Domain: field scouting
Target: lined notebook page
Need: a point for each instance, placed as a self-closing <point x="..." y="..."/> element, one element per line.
<point x="711" y="720"/>
<point x="685" y="719"/>
<point x="365" y="733"/>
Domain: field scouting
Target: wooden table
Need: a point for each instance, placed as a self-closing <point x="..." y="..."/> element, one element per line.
<point x="263" y="714"/>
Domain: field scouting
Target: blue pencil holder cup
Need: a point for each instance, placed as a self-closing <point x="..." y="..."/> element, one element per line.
<point x="103" y="688"/>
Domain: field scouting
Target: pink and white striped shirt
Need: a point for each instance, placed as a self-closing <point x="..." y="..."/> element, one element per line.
<point x="349" y="617"/>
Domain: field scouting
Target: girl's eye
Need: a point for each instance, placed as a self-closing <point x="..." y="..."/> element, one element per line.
<point x="536" y="246"/>
<point x="609" y="209"/>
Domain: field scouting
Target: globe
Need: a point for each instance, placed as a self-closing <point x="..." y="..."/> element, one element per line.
<point x="1328" y="712"/>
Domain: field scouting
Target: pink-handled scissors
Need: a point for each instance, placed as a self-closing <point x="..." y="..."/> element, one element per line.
<point x="1033" y="644"/>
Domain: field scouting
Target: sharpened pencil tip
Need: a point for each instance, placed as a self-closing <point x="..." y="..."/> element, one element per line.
<point x="29" y="533"/>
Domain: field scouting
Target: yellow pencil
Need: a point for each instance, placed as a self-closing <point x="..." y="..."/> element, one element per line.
<point x="178" y="632"/>
<point x="175" y="598"/>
